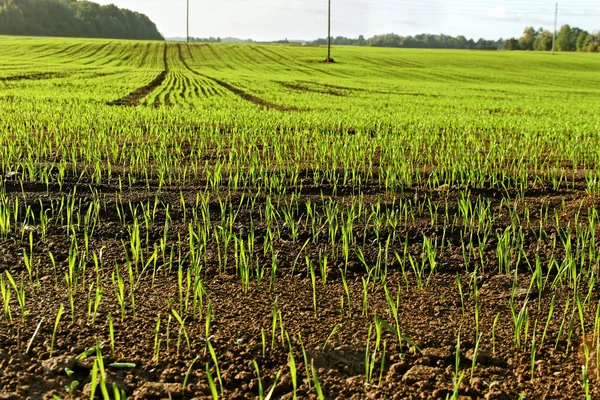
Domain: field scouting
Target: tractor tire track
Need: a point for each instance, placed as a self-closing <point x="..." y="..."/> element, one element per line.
<point x="237" y="91"/>
<point x="34" y="76"/>
<point x="134" y="98"/>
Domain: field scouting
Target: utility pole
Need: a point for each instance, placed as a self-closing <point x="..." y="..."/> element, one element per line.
<point x="554" y="36"/>
<point x="328" y="59"/>
<point x="187" y="26"/>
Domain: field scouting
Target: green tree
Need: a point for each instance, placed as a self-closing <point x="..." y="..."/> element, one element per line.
<point x="544" y="41"/>
<point x="461" y="42"/>
<point x="483" y="44"/>
<point x="511" y="44"/>
<point x="387" y="40"/>
<point x="526" y="41"/>
<point x="73" y="18"/>
<point x="583" y="41"/>
<point x="594" y="43"/>
<point x="564" y="40"/>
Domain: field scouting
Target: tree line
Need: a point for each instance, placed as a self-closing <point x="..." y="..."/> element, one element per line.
<point x="205" y="40"/>
<point x="567" y="39"/>
<point x="425" y="41"/>
<point x="72" y="18"/>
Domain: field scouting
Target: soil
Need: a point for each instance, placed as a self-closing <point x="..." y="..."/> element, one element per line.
<point x="432" y="317"/>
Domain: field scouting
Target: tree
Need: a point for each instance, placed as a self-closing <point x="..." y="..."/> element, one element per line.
<point x="595" y="45"/>
<point x="583" y="41"/>
<point x="544" y="41"/>
<point x="511" y="44"/>
<point x="483" y="44"/>
<point x="73" y="18"/>
<point x="564" y="40"/>
<point x="526" y="41"/>
<point x="461" y="42"/>
<point x="387" y="40"/>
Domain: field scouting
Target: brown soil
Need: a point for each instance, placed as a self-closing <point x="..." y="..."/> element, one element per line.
<point x="431" y="317"/>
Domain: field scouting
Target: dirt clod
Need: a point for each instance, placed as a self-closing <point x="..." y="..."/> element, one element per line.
<point x="436" y="354"/>
<point x="56" y="365"/>
<point x="421" y="373"/>
<point x="483" y="357"/>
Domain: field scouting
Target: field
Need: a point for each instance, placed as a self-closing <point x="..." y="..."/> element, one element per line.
<point x="244" y="221"/>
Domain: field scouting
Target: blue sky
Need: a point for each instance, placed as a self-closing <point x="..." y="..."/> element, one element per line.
<point x="307" y="19"/>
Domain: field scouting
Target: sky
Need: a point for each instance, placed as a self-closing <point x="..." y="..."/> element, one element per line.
<point x="307" y="19"/>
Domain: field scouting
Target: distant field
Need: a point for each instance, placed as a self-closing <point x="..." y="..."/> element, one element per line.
<point x="245" y="221"/>
<point x="491" y="89"/>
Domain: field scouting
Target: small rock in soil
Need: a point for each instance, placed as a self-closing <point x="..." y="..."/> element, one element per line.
<point x="56" y="365"/>
<point x="420" y="373"/>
